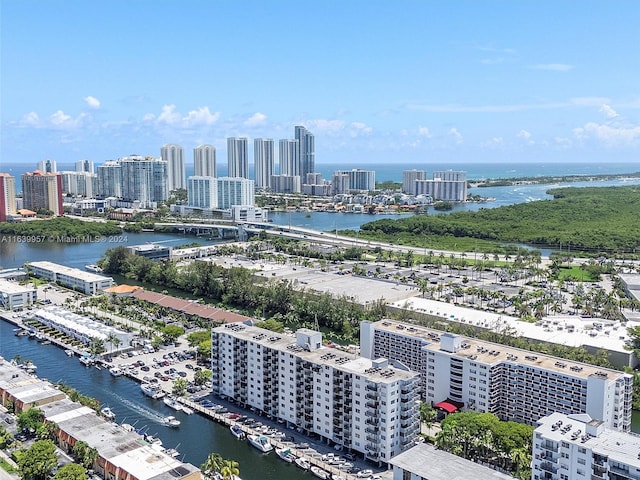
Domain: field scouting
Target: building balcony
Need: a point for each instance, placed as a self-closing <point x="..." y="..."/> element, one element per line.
<point x="549" y="467"/>
<point x="371" y="404"/>
<point x="371" y="430"/>
<point x="549" y="446"/>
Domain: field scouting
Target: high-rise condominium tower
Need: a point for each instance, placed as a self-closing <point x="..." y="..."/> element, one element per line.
<point x="176" y="172"/>
<point x="7" y="196"/>
<point x="84" y="166"/>
<point x="306" y="151"/>
<point x="263" y="161"/>
<point x="144" y="179"/>
<point x="289" y="160"/>
<point x="238" y="157"/>
<point x="42" y="190"/>
<point x="48" y="166"/>
<point x="204" y="161"/>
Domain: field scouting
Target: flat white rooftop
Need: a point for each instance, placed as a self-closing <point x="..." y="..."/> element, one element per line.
<point x="71" y="272"/>
<point x="12" y="288"/>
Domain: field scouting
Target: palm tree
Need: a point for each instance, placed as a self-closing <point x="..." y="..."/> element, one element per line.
<point x="212" y="464"/>
<point x="230" y="469"/>
<point x="521" y="458"/>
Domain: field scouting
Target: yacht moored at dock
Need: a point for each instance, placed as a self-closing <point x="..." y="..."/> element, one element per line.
<point x="237" y="432"/>
<point x="152" y="390"/>
<point x="260" y="442"/>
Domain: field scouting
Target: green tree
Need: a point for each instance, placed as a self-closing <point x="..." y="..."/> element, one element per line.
<point x="229" y="469"/>
<point x="71" y="471"/>
<point x="30" y="420"/>
<point x="37" y="462"/>
<point x="171" y="333"/>
<point x="271" y="324"/>
<point x="179" y="386"/>
<point x="47" y="431"/>
<point x="196" y="338"/>
<point x="201" y="377"/>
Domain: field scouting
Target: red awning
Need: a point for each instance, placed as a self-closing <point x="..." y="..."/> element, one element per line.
<point x="446" y="406"/>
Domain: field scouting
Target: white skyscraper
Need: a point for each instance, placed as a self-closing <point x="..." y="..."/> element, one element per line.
<point x="306" y="151"/>
<point x="202" y="192"/>
<point x="144" y="179"/>
<point x="176" y="171"/>
<point x="204" y="161"/>
<point x="84" y="166"/>
<point x="238" y="157"/>
<point x="110" y="179"/>
<point x="409" y="178"/>
<point x="289" y="160"/>
<point x="235" y="191"/>
<point x="263" y="161"/>
<point x="48" y="166"/>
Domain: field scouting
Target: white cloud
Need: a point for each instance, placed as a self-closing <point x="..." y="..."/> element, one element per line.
<point x="589" y="101"/>
<point x="526" y="137"/>
<point x="359" y="128"/>
<point x="553" y="67"/>
<point x="93" y="102"/>
<point x="256" y="119"/>
<point x="614" y="135"/>
<point x="456" y="134"/>
<point x="563" y="142"/>
<point x="424" y="132"/>
<point x="202" y="116"/>
<point x="30" y="119"/>
<point x="608" y="111"/>
<point x="329" y="127"/>
<point x="495" y="142"/>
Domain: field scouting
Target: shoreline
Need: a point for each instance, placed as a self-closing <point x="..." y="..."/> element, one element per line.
<point x="548" y="179"/>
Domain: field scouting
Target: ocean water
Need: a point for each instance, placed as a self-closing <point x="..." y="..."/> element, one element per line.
<point x="393" y="171"/>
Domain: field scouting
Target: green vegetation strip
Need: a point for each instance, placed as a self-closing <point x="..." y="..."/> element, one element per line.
<point x="59" y="229"/>
<point x="594" y="219"/>
<point x="6" y="466"/>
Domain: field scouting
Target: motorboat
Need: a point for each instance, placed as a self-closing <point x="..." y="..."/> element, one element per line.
<point x="93" y="268"/>
<point x="260" y="442"/>
<point x="172" y="403"/>
<point x="171" y="421"/>
<point x="116" y="371"/>
<point x="320" y="473"/>
<point x="187" y="410"/>
<point x="127" y="427"/>
<point x="69" y="353"/>
<point x="152" y="390"/>
<point x="87" y="361"/>
<point x="152" y="440"/>
<point x="302" y="463"/>
<point x="237" y="432"/>
<point x="107" y="413"/>
<point x="285" y="454"/>
<point x="172" y="452"/>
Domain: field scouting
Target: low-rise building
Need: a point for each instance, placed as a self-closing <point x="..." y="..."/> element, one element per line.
<point x="85" y="282"/>
<point x="152" y="251"/>
<point x="13" y="295"/>
<point x="576" y="447"/>
<point x="465" y="373"/>
<point x="425" y="462"/>
<point x="363" y="405"/>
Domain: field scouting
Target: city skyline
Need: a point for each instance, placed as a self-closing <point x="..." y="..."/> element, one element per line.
<point x="415" y="81"/>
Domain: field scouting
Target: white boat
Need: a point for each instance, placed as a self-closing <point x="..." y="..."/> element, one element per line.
<point x="116" y="371"/>
<point x="260" y="442"/>
<point x="151" y="390"/>
<point x="320" y="473"/>
<point x="172" y="452"/>
<point x="171" y="421"/>
<point x="86" y="361"/>
<point x="152" y="440"/>
<point x="237" y="431"/>
<point x="69" y="353"/>
<point x="127" y="427"/>
<point x="302" y="463"/>
<point x="172" y="403"/>
<point x="107" y="413"/>
<point x="186" y="409"/>
<point x="285" y="454"/>
<point x="93" y="268"/>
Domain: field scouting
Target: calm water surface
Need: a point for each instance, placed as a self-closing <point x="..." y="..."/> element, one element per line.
<point x="195" y="438"/>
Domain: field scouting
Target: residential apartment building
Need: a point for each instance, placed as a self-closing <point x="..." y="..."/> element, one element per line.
<point x="235" y="191"/>
<point x="513" y="384"/>
<point x="13" y="295"/>
<point x="359" y="179"/>
<point x="7" y="196"/>
<point x="202" y="192"/>
<point x="306" y="151"/>
<point x="79" y="183"/>
<point x="176" y="171"/>
<point x="263" y="162"/>
<point x="48" y="166"/>
<point x="110" y="179"/>
<point x="285" y="183"/>
<point x="445" y="185"/>
<point x="85" y="166"/>
<point x="86" y="282"/>
<point x="289" y="160"/>
<point x="238" y="157"/>
<point x="363" y="405"/>
<point x="204" y="161"/>
<point x="42" y="190"/>
<point x="144" y="179"/>
<point x="409" y="178"/>
<point x="577" y="447"/>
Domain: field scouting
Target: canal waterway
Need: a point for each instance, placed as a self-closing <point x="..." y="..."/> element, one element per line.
<point x="15" y="254"/>
<point x="195" y="438"/>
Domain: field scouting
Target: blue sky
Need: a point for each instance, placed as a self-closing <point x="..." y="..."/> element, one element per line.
<point x="375" y="81"/>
